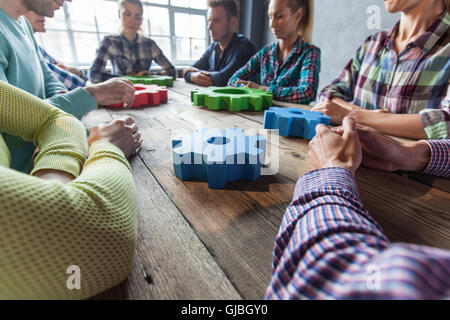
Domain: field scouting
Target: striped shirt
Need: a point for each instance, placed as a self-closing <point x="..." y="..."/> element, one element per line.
<point x="414" y="81"/>
<point x="70" y="80"/>
<point x="128" y="57"/>
<point x="329" y="247"/>
<point x="294" y="80"/>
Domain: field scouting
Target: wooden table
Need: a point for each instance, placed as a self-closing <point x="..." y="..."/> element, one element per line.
<point x="199" y="243"/>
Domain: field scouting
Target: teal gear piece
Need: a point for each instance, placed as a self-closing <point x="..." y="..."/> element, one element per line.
<point x="232" y="99"/>
<point x="158" y="80"/>
<point x="218" y="156"/>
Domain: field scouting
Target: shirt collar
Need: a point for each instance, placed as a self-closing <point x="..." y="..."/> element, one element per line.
<point x="134" y="41"/>
<point x="234" y="38"/>
<point x="427" y="40"/>
<point x="298" y="47"/>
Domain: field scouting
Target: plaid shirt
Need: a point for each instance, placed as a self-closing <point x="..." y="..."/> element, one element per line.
<point x="329" y="247"/>
<point x="295" y="80"/>
<point x="415" y="81"/>
<point x="128" y="57"/>
<point x="69" y="80"/>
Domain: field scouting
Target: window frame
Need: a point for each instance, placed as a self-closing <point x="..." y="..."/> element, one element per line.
<point x="71" y="32"/>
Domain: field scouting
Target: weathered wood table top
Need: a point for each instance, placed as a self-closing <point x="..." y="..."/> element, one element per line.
<point x="199" y="243"/>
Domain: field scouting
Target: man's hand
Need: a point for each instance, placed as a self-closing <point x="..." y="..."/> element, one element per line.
<point x="329" y="149"/>
<point x="336" y="110"/>
<point x="113" y="91"/>
<point x="202" y="78"/>
<point x="251" y="85"/>
<point x="123" y="133"/>
<point x="190" y="69"/>
<point x="384" y="153"/>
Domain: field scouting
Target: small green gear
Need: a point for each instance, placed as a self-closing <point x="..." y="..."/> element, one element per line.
<point x="159" y="80"/>
<point x="231" y="98"/>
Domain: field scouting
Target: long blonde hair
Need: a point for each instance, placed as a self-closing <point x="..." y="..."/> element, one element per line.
<point x="305" y="27"/>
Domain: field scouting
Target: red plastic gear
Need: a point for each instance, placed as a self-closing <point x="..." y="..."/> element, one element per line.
<point x="146" y="95"/>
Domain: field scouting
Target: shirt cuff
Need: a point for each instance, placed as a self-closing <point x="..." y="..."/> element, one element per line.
<point x="328" y="178"/>
<point x="436" y="123"/>
<point x="105" y="150"/>
<point x="78" y="102"/>
<point x="440" y="158"/>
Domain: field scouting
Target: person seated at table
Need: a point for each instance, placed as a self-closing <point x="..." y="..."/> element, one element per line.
<point x="229" y="51"/>
<point x="329" y="247"/>
<point x="398" y="82"/>
<point x="289" y="68"/>
<point x="22" y="66"/>
<point x="71" y="77"/>
<point x="130" y="52"/>
<point x="72" y="212"/>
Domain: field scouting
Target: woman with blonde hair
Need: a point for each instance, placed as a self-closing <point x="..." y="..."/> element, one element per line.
<point x="130" y="52"/>
<point x="289" y="68"/>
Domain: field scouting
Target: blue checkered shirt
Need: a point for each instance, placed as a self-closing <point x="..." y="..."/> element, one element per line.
<point x="70" y="80"/>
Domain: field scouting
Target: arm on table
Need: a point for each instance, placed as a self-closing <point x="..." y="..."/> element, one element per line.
<point x="329" y="246"/>
<point x="59" y="136"/>
<point x="89" y="223"/>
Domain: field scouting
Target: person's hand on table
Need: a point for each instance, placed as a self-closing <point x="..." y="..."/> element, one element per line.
<point x="330" y="149"/>
<point x="190" y="69"/>
<point x="336" y="111"/>
<point x="251" y="85"/>
<point x="113" y="91"/>
<point x="202" y="78"/>
<point x="384" y="153"/>
<point x="123" y="133"/>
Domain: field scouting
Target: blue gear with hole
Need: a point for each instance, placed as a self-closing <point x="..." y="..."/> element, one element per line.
<point x="294" y="122"/>
<point x="218" y="156"/>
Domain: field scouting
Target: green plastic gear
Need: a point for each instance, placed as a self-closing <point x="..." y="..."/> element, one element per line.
<point x="159" y="80"/>
<point x="233" y="99"/>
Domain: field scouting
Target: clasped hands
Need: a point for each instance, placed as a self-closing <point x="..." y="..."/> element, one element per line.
<point x="352" y="145"/>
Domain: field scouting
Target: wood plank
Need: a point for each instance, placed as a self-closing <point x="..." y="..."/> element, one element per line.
<point x="170" y="261"/>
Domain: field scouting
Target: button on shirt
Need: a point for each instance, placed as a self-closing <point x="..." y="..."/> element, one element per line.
<point x="414" y="81"/>
<point x="221" y="66"/>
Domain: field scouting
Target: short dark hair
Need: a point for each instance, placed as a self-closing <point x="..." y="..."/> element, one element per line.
<point x="230" y="7"/>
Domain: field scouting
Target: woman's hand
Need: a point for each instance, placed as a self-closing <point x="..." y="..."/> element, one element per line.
<point x="251" y="85"/>
<point x="330" y="149"/>
<point x="123" y="133"/>
<point x="336" y="110"/>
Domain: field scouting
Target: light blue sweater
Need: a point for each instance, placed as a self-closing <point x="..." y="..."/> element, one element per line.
<point x="22" y="65"/>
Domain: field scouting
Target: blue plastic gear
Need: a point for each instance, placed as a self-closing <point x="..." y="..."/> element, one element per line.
<point x="218" y="156"/>
<point x="294" y="122"/>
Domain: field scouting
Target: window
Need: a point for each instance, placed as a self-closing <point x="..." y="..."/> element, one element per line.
<point x="179" y="27"/>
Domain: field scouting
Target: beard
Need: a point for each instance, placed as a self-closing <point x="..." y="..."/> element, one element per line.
<point x="40" y="7"/>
